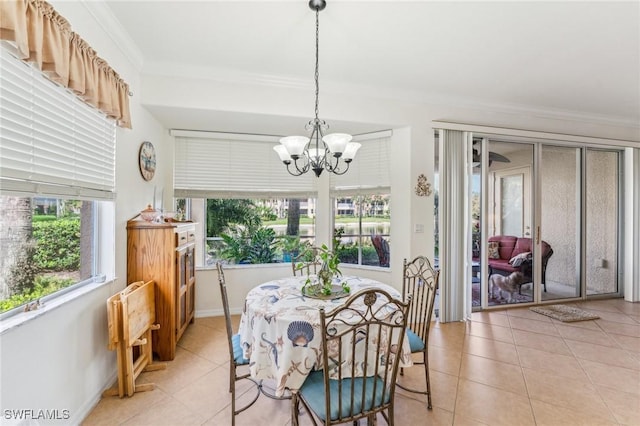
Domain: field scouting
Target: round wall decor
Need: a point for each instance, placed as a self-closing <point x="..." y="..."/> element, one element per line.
<point x="147" y="160"/>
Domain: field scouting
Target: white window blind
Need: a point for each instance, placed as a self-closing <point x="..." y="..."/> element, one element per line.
<point x="50" y="141"/>
<point x="369" y="172"/>
<point x="218" y="165"/>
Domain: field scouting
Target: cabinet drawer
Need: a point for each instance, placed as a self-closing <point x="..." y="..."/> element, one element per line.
<point x="191" y="235"/>
<point x="181" y="237"/>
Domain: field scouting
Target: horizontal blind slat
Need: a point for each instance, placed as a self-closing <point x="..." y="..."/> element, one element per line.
<point x="234" y="168"/>
<point x="49" y="136"/>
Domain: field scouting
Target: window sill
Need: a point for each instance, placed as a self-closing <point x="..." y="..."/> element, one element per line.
<point x="365" y="267"/>
<point x="21" y="318"/>
<point x="288" y="265"/>
<point x="245" y="266"/>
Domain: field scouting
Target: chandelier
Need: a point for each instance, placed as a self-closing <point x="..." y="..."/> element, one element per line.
<point x="317" y="152"/>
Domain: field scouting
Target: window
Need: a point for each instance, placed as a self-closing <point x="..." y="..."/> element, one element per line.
<point x="362" y="228"/>
<point x="48" y="245"/>
<point x="256" y="231"/>
<point x="362" y="205"/>
<point x="273" y="213"/>
<point x="252" y="210"/>
<point x="57" y="178"/>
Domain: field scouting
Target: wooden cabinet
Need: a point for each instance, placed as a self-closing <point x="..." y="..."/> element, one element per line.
<point x="165" y="253"/>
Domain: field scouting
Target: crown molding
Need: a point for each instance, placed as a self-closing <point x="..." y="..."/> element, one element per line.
<point x="224" y="75"/>
<point x="113" y="28"/>
<point x="230" y="76"/>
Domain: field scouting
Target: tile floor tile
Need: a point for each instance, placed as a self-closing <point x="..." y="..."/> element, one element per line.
<point x="586" y="335"/>
<point x="488" y="331"/>
<point x="502" y="367"/>
<point x="527" y="314"/>
<point x="492" y="406"/>
<point x="603" y="354"/>
<point x="578" y="395"/>
<point x="624" y="406"/>
<point x="560" y="365"/>
<point x="492" y="349"/>
<point x="443" y="360"/>
<point x="493" y="373"/>
<point x="543" y="342"/>
<point x="547" y="414"/>
<point x="605" y="375"/>
<point x="170" y="412"/>
<point x="493" y="318"/>
<point x="535" y="326"/>
<point x="618" y="328"/>
<point x="627" y="342"/>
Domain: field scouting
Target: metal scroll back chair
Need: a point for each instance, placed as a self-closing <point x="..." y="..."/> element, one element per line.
<point x="236" y="358"/>
<point x="419" y="283"/>
<point x="360" y="340"/>
<point x="306" y="263"/>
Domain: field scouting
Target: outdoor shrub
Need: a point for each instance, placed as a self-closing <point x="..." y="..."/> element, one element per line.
<point x="58" y="246"/>
<point x="263" y="246"/>
<point x="349" y="254"/>
<point x="257" y="245"/>
<point x="43" y="287"/>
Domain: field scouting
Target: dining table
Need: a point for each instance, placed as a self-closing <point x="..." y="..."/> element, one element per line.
<point x="280" y="330"/>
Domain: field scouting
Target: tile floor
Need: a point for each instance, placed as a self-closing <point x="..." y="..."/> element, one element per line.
<point x="510" y="367"/>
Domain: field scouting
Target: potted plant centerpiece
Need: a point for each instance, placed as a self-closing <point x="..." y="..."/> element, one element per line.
<point x="322" y="284"/>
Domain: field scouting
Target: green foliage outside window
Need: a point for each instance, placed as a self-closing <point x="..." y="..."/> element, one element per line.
<point x="43" y="286"/>
<point x="58" y="247"/>
<point x="250" y="245"/>
<point x="55" y="248"/>
<point x="225" y="213"/>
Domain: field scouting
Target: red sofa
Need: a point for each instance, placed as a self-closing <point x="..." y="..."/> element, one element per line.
<point x="509" y="247"/>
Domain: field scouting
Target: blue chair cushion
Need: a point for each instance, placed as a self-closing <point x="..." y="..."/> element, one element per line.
<point x="313" y="392"/>
<point x="237" y="351"/>
<point x="415" y="342"/>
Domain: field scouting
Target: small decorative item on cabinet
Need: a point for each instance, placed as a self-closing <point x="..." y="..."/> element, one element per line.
<point x="150" y="214"/>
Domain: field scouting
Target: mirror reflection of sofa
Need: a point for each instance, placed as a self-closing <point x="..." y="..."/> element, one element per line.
<point x="509" y="254"/>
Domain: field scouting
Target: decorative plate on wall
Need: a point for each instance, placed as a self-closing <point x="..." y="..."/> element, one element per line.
<point x="147" y="159"/>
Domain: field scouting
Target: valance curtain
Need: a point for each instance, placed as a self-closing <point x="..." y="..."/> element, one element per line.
<point x="44" y="38"/>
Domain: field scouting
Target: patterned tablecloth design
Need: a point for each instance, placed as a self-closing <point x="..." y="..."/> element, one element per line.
<point x="280" y="329"/>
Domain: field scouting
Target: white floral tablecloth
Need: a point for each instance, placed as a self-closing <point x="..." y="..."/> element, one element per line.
<point x="280" y="329"/>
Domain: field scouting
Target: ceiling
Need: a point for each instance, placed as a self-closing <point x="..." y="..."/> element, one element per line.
<point x="568" y="58"/>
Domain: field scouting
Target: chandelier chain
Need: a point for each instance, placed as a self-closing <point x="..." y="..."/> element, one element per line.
<point x="317" y="58"/>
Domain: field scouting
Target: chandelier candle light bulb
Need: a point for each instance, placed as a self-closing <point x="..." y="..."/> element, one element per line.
<point x="318" y="152"/>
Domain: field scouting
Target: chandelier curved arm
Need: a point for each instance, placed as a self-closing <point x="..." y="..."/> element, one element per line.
<point x="304" y="160"/>
<point x="336" y="168"/>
